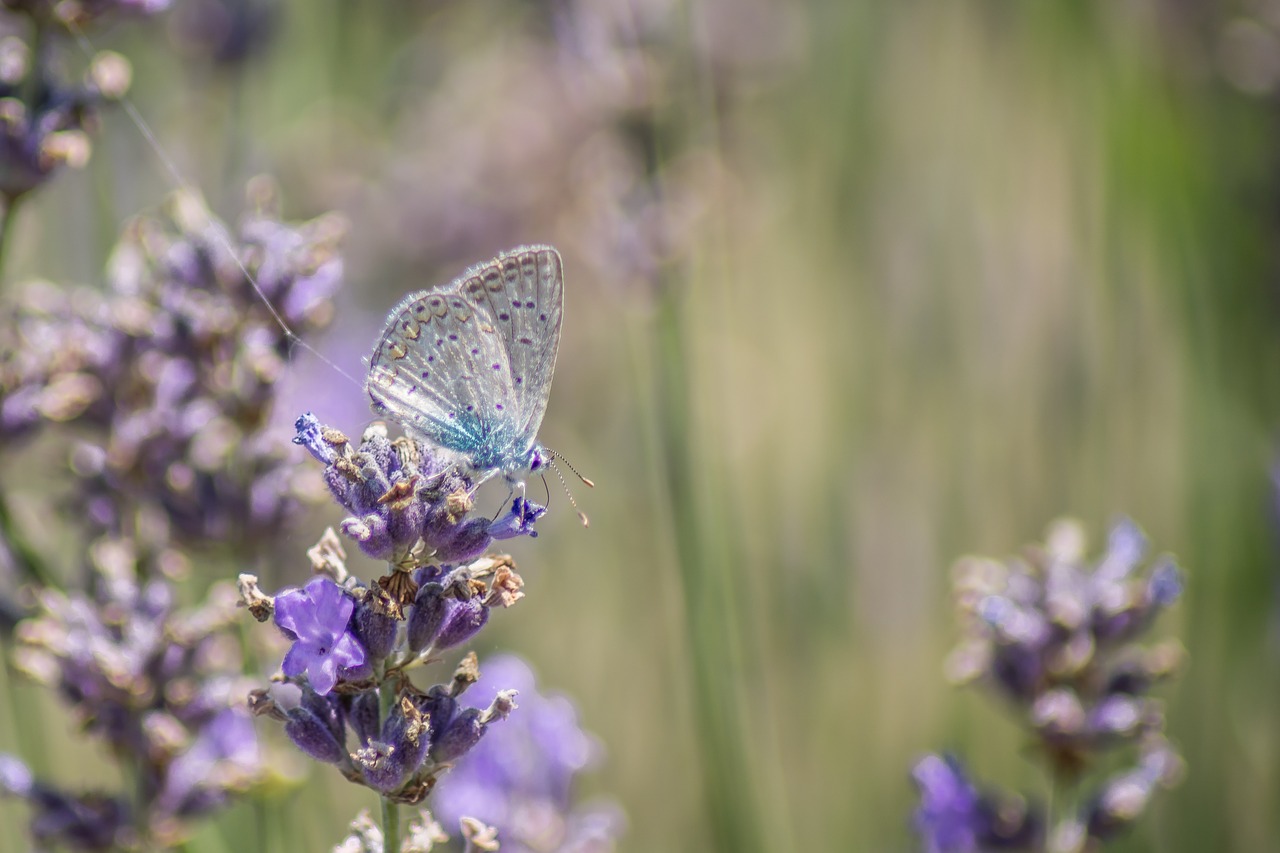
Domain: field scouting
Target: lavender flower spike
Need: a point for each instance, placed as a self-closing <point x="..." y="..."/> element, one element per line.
<point x="948" y="816"/>
<point x="316" y="618"/>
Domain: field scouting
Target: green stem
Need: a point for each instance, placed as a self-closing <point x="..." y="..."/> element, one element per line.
<point x="390" y="811"/>
<point x="6" y="227"/>
<point x="1050" y="814"/>
<point x="29" y="561"/>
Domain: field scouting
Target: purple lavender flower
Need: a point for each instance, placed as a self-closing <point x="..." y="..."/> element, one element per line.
<point x="316" y="617"/>
<point x="1123" y="797"/>
<point x="520" y="777"/>
<point x="518" y="521"/>
<point x="223" y="759"/>
<point x="948" y="817"/>
<point x="1056" y="636"/>
<point x="86" y="821"/>
<point x="402" y="751"/>
<point x="406" y="498"/>
<point x="152" y="681"/>
<point x="45" y="122"/>
<point x="954" y="818"/>
<point x="170" y="375"/>
<point x="1054" y="633"/>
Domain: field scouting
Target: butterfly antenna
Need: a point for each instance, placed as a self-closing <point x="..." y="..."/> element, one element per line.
<point x="569" y="465"/>
<point x="586" y="522"/>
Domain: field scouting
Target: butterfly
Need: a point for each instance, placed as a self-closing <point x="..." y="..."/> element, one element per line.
<point x="468" y="366"/>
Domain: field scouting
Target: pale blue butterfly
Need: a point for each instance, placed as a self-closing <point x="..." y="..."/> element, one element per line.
<point x="468" y="366"/>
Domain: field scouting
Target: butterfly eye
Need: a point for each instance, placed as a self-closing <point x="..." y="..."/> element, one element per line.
<point x="535" y="460"/>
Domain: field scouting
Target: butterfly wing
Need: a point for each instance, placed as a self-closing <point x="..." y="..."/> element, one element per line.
<point x="522" y="292"/>
<point x="441" y="370"/>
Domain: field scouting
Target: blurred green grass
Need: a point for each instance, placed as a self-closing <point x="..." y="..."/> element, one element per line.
<point x="976" y="266"/>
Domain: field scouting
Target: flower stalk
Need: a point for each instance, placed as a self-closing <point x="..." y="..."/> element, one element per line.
<point x="387" y="695"/>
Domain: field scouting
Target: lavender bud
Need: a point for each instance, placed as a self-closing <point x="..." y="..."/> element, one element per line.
<point x="479" y="836"/>
<point x="459" y="737"/>
<point x="464" y="621"/>
<point x="1058" y="713"/>
<point x="427" y="617"/>
<point x="1118" y="716"/>
<point x="1165" y="585"/>
<point x="370" y="533"/>
<point x="439" y="708"/>
<point x="501" y="706"/>
<point x="1124" y="796"/>
<point x="466" y="542"/>
<point x="327" y="709"/>
<point x="362" y="715"/>
<point x="15" y="777"/>
<point x="406" y="730"/>
<point x="261" y="605"/>
<point x="310" y="434"/>
<point x="375" y="630"/>
<point x="311" y="735"/>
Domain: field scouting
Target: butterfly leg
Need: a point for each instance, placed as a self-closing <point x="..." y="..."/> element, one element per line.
<point x="510" y="491"/>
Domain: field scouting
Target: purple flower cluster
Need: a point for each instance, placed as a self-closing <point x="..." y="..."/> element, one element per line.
<point x="406" y="500"/>
<point x="1056" y="636"/>
<point x="170" y="374"/>
<point x="401" y="750"/>
<point x="156" y="682"/>
<point x="520" y="778"/>
<point x="352" y="648"/>
<point x="162" y="383"/>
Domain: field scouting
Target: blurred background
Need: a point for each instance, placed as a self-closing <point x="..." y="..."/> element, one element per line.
<point x="853" y="289"/>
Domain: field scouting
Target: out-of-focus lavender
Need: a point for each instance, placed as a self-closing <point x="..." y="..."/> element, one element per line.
<point x="520" y="778"/>
<point x="954" y="816"/>
<point x="567" y="129"/>
<point x="160" y="385"/>
<point x="1057" y="637"/>
<point x="45" y="118"/>
<point x="227" y="33"/>
<point x="169" y="375"/>
<point x="159" y="684"/>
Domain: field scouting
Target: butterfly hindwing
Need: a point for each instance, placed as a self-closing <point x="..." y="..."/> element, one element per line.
<point x="522" y="291"/>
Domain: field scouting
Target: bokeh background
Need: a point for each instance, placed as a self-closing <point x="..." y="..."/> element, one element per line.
<point x="854" y="289"/>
